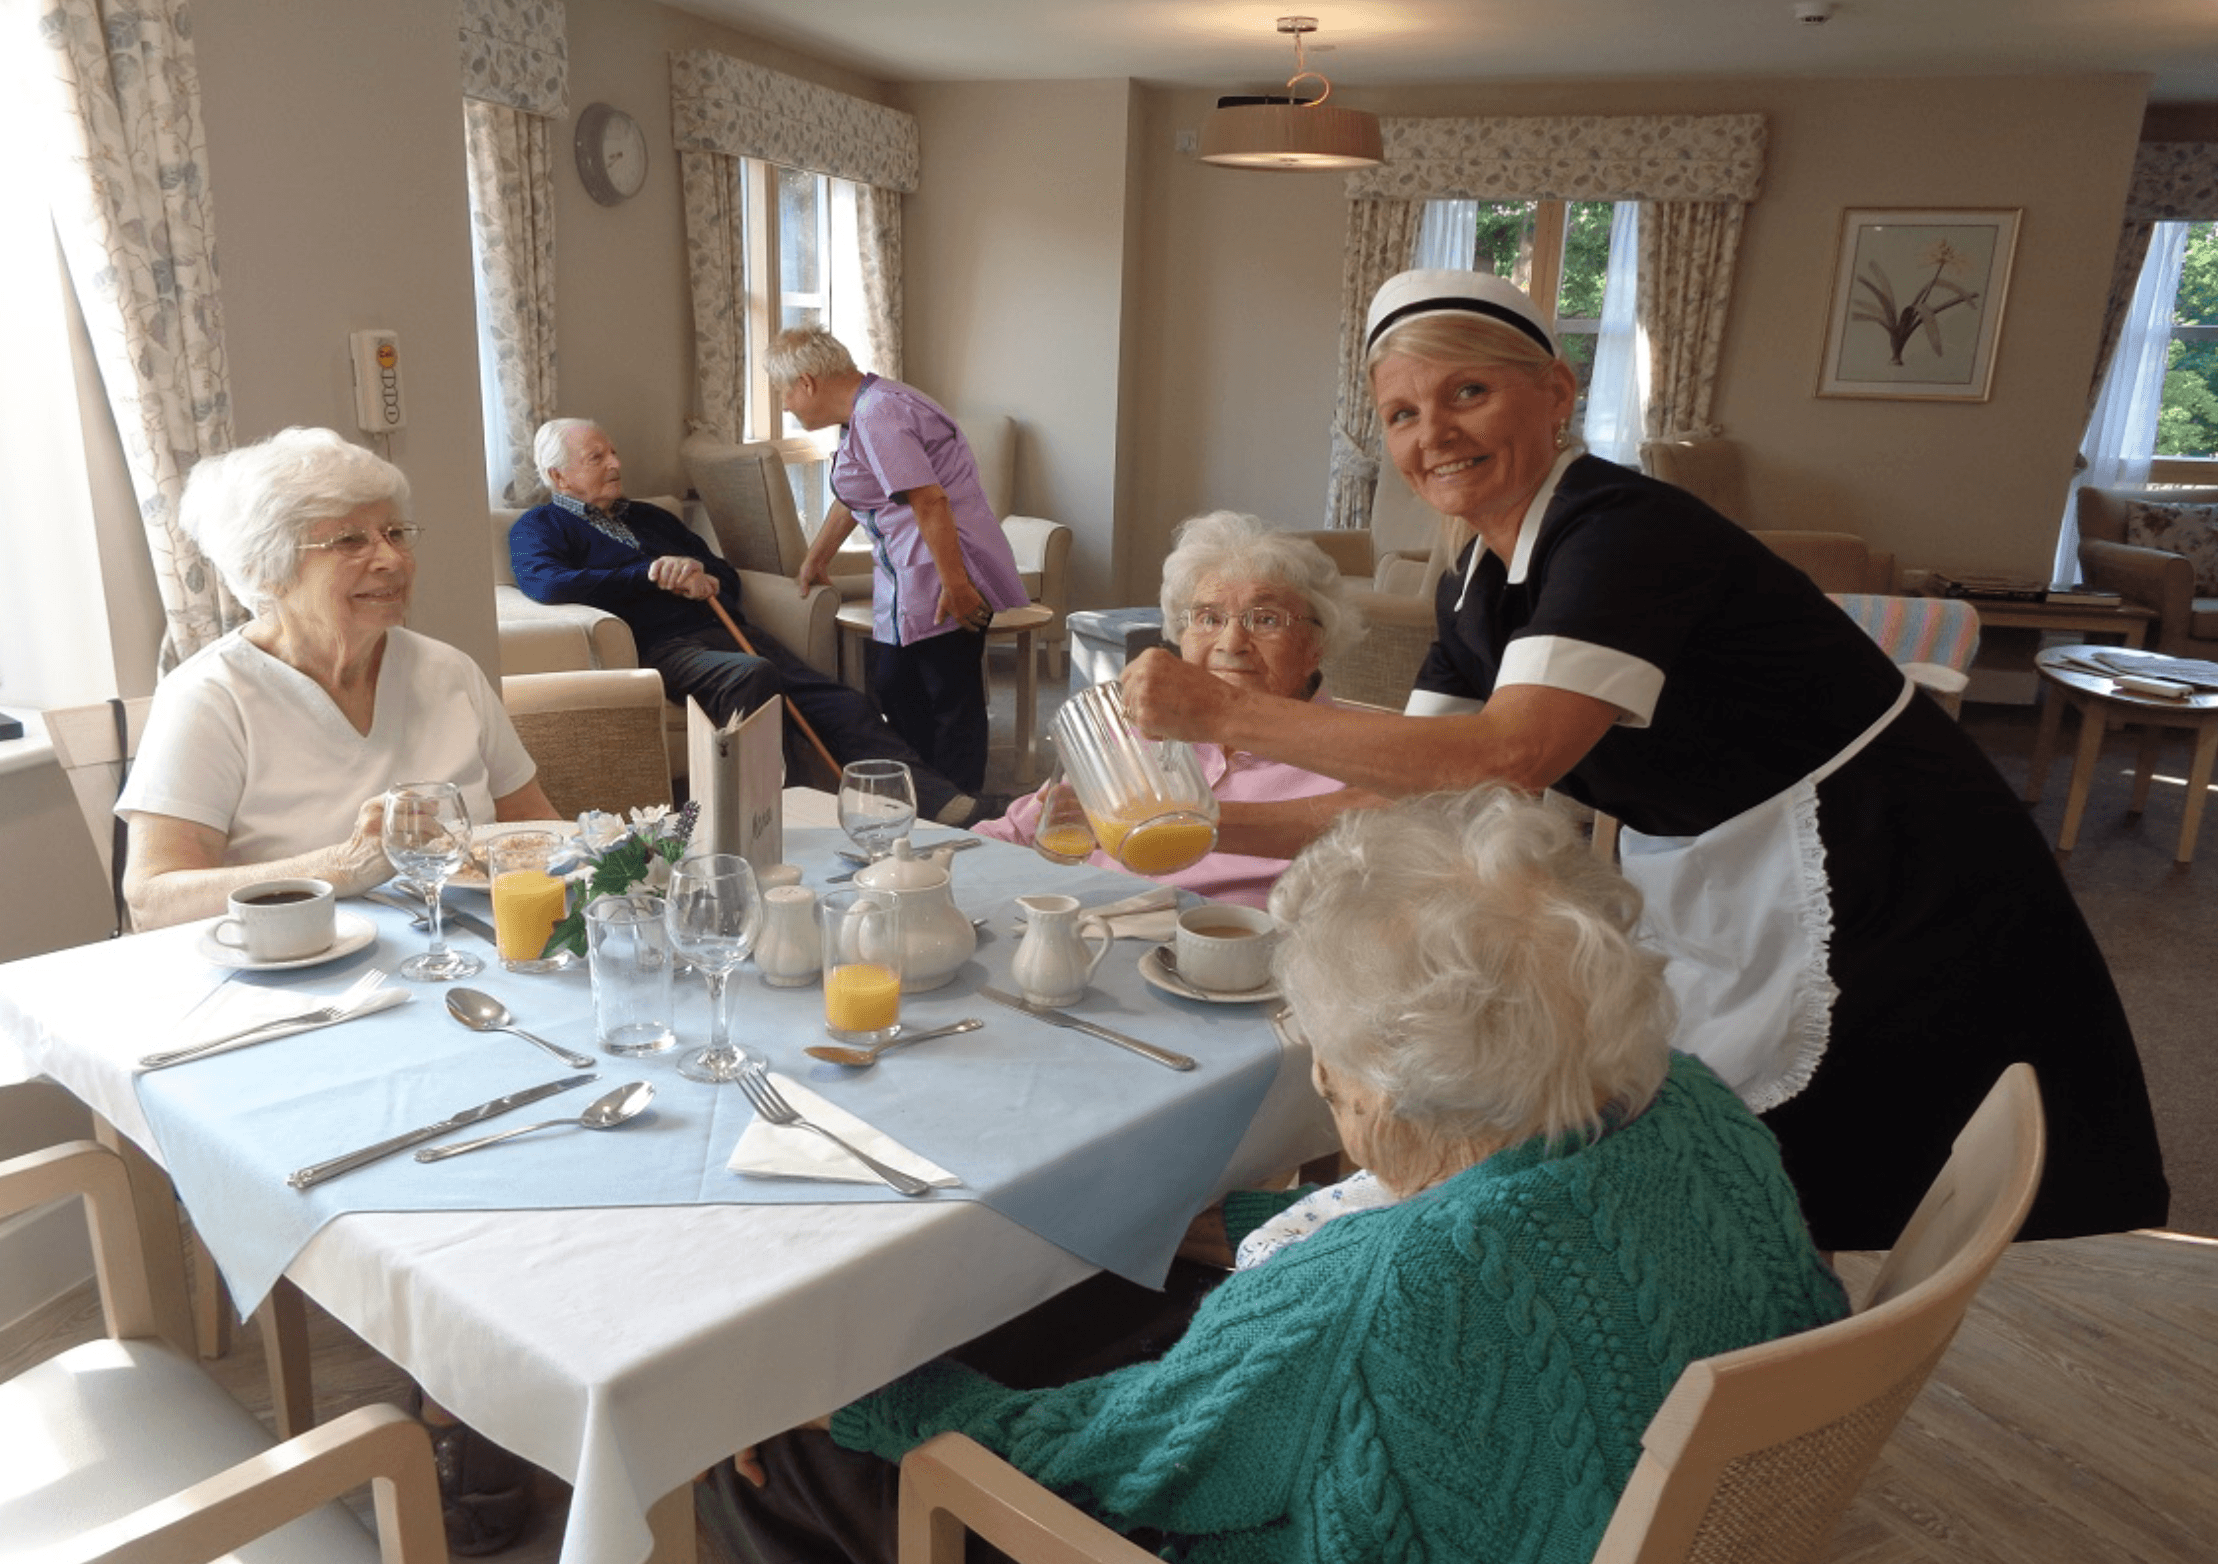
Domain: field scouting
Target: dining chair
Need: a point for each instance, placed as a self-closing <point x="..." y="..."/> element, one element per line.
<point x="1753" y="1456"/>
<point x="123" y="1451"/>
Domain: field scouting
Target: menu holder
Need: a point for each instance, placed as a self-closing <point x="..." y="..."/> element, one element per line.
<point x="737" y="776"/>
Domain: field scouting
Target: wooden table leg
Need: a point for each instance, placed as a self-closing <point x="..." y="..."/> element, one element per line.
<point x="2044" y="743"/>
<point x="2092" y="721"/>
<point x="161" y="1238"/>
<point x="211" y="1302"/>
<point x="2198" y="787"/>
<point x="2144" y="765"/>
<point x="283" y="1318"/>
<point x="1028" y="706"/>
<point x="671" y="1520"/>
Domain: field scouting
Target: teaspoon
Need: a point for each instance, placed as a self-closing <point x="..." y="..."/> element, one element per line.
<point x="481" y="1012"/>
<point x="864" y="1058"/>
<point x="602" y="1113"/>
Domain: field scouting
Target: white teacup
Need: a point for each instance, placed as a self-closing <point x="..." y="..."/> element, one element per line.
<point x="280" y="920"/>
<point x="1226" y="949"/>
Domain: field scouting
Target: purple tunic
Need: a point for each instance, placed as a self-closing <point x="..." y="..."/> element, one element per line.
<point x="898" y="439"/>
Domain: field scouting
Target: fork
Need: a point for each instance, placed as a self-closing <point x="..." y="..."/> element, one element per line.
<point x="322" y="1015"/>
<point x="755" y="1082"/>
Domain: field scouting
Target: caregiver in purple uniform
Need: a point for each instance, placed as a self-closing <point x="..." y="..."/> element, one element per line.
<point x="906" y="474"/>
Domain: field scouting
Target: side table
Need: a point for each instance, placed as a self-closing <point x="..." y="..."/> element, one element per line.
<point x="2097" y="700"/>
<point x="854" y="619"/>
<point x="2128" y="621"/>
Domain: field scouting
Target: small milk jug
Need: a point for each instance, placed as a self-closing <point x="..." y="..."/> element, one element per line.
<point x="786" y="954"/>
<point x="1054" y="962"/>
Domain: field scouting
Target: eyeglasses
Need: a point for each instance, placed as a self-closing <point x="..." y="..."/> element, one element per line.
<point x="358" y="544"/>
<point x="1259" y="622"/>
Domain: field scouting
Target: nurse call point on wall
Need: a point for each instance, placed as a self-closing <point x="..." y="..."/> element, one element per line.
<point x="377" y="398"/>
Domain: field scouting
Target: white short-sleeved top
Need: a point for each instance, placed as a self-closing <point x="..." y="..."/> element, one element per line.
<point x="244" y="743"/>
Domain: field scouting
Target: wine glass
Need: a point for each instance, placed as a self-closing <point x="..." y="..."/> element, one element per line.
<point x="427" y="837"/>
<point x="877" y="804"/>
<point x="713" y="911"/>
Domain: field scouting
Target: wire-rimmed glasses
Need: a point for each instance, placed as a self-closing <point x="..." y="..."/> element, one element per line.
<point x="713" y="912"/>
<point x="427" y="838"/>
<point x="359" y="542"/>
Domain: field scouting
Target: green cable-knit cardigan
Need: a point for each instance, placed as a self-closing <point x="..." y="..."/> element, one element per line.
<point x="1463" y="1376"/>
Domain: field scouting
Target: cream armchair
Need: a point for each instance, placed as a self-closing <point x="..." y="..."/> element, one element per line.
<point x="2186" y="625"/>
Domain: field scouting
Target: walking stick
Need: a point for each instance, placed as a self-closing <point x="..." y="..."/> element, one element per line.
<point x="792" y="710"/>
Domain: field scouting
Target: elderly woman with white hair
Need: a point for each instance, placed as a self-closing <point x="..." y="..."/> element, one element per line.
<point x="267" y="752"/>
<point x="1259" y="610"/>
<point x="1565" y="1215"/>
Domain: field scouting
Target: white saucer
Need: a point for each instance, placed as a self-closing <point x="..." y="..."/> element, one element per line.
<point x="1169" y="982"/>
<point x="355" y="932"/>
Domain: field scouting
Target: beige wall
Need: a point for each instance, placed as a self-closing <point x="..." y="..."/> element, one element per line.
<point x="1241" y="301"/>
<point x="1015" y="279"/>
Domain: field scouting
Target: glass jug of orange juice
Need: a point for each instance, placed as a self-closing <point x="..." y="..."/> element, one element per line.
<point x="1149" y="805"/>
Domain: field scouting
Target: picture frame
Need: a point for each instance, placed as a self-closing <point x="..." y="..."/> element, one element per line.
<point x="1917" y="302"/>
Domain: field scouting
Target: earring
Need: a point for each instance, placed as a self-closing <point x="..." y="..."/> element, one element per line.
<point x="1563" y="434"/>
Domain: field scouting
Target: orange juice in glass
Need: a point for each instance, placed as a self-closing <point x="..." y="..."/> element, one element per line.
<point x="527" y="901"/>
<point x="862" y="965"/>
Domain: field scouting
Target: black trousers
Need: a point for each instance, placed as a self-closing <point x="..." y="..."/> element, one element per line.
<point x="934" y="693"/>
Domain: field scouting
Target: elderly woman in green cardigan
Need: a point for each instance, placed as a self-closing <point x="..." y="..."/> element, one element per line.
<point x="1452" y="1355"/>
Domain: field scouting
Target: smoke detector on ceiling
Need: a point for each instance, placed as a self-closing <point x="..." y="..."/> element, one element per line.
<point x="1813" y="13"/>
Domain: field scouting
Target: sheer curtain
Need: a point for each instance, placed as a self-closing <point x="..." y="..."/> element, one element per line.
<point x="2121" y="435"/>
<point x="1619" y="386"/>
<point x="1448" y="237"/>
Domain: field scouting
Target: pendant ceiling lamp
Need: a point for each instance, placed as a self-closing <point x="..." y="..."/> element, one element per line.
<point x="1291" y="132"/>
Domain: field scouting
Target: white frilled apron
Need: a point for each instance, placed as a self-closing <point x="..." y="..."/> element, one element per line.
<point x="1744" y="915"/>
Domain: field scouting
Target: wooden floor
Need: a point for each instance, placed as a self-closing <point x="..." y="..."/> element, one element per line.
<point x="2074" y="1418"/>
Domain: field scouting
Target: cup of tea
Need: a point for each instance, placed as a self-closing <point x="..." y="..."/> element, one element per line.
<point x="862" y="964"/>
<point x="527" y="900"/>
<point x="1225" y="949"/>
<point x="279" y="920"/>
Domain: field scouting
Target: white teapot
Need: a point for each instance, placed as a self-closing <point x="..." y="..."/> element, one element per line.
<point x="935" y="936"/>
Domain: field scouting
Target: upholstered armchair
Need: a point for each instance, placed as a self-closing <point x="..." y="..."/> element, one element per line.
<point x="2138" y="543"/>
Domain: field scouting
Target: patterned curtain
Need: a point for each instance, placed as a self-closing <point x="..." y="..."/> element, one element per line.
<point x="716" y="269"/>
<point x="722" y="104"/>
<point x="511" y="167"/>
<point x="1693" y="173"/>
<point x="1382" y="240"/>
<point x="1687" y="250"/>
<point x="2173" y="181"/>
<point x="878" y="233"/>
<point x="138" y="231"/>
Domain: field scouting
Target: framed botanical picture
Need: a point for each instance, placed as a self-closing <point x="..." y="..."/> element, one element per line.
<point x="1917" y="303"/>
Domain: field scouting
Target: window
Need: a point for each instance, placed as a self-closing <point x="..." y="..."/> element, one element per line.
<point x="1560" y="253"/>
<point x="804" y="268"/>
<point x="2187" y="415"/>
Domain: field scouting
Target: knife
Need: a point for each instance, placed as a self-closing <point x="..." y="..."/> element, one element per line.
<point x="449" y="914"/>
<point x="1061" y="1018"/>
<point x="310" y="1176"/>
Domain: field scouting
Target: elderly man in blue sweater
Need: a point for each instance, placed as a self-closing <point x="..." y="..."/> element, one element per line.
<point x="591" y="545"/>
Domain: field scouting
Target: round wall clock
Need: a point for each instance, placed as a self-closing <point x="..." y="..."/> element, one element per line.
<point x="612" y="154"/>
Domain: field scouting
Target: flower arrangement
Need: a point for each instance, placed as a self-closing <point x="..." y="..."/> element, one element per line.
<point x="622" y="856"/>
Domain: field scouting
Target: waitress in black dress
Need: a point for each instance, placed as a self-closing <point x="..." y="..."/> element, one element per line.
<point x="1864" y="926"/>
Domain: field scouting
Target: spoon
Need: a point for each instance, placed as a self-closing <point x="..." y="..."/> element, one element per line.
<point x="864" y="1058"/>
<point x="481" y="1012"/>
<point x="953" y="845"/>
<point x="602" y="1113"/>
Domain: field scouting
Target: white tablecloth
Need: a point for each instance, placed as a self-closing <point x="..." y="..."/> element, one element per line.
<point x="626" y="1350"/>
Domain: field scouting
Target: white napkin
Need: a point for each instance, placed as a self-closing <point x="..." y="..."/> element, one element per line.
<point x="235" y="1009"/>
<point x="788" y="1151"/>
<point x="1151" y="915"/>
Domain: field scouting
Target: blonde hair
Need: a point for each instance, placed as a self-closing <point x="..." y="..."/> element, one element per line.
<point x="806" y="350"/>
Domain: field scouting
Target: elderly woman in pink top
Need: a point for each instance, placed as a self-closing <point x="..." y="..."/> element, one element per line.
<point x="944" y="567"/>
<point x="1260" y="610"/>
